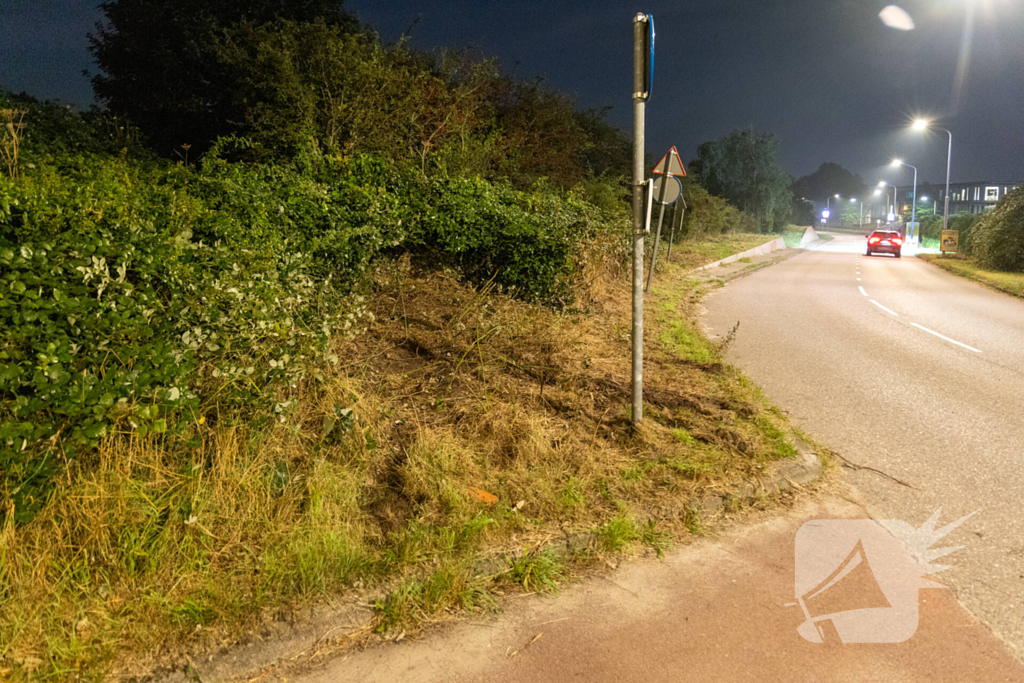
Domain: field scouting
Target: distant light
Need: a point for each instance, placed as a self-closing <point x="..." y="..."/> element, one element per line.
<point x="920" y="124"/>
<point x="924" y="199"/>
<point x="853" y="199"/>
<point x="882" y="184"/>
<point x="897" y="162"/>
<point x="825" y="214"/>
<point x="837" y="196"/>
<point x="897" y="18"/>
<point x="878" y="192"/>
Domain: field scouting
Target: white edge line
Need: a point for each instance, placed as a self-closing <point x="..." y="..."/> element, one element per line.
<point x="942" y="336"/>
<point x="862" y="290"/>
<point x="887" y="310"/>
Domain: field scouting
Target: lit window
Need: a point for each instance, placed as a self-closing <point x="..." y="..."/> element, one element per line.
<point x="991" y="194"/>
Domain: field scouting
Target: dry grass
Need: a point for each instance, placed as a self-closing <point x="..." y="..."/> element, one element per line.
<point x="463" y="421"/>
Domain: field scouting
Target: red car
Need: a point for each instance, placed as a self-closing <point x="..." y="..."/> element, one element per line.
<point x="885" y="242"/>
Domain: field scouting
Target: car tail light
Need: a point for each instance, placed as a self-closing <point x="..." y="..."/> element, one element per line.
<point x="897" y="241"/>
<point x="874" y="240"/>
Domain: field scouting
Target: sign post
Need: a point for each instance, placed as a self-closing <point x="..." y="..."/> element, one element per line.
<point x="668" y="192"/>
<point x="950" y="241"/>
<point x="643" y="72"/>
<point x="682" y="215"/>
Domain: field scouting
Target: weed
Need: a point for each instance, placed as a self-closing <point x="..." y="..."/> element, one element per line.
<point x="693" y="522"/>
<point x="13" y="123"/>
<point x="682" y="436"/>
<point x="450" y="587"/>
<point x="535" y="571"/>
<point x="572" y="494"/>
<point x="618" y="532"/>
<point x="656" y="538"/>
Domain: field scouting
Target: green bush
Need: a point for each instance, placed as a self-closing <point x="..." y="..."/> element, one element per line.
<point x="138" y="296"/>
<point x="525" y="242"/>
<point x="931" y="228"/>
<point x="125" y="308"/>
<point x="998" y="237"/>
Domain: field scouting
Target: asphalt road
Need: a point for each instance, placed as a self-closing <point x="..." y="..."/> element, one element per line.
<point x="851" y="347"/>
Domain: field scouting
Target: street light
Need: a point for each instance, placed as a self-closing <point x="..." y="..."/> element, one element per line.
<point x="828" y="206"/>
<point x="922" y="124"/>
<point x="883" y="184"/>
<point x="861" y="212"/>
<point x="913" y="205"/>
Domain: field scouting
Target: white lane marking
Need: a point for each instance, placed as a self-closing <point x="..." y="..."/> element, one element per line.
<point x="858" y="279"/>
<point x="942" y="336"/>
<point x="887" y="310"/>
<point x="862" y="290"/>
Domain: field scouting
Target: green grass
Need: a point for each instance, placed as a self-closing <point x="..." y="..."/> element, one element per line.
<point x="535" y="571"/>
<point x="618" y="532"/>
<point x="690" y="254"/>
<point x="1009" y="283"/>
<point x="793" y="237"/>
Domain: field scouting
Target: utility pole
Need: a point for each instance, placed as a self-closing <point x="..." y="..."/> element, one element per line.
<point x="639" y="106"/>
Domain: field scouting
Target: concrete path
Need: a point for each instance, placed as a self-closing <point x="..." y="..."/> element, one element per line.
<point x="712" y="611"/>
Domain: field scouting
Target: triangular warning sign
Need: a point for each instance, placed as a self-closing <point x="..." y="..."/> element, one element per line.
<point x="670" y="164"/>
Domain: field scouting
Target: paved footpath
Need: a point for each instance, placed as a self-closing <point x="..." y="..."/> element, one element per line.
<point x="711" y="611"/>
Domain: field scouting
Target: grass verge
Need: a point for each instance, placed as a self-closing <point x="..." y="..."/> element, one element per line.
<point x="463" y="423"/>
<point x="690" y="254"/>
<point x="1009" y="283"/>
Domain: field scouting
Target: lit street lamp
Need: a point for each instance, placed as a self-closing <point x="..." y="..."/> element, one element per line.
<point x="828" y="208"/>
<point x="861" y="212"/>
<point x="883" y="184"/>
<point x="922" y="124"/>
<point x="913" y="204"/>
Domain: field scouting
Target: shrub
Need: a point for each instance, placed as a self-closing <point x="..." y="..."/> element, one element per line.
<point x="124" y="310"/>
<point x="998" y="238"/>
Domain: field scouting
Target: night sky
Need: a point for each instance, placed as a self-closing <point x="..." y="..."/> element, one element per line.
<point x="826" y="75"/>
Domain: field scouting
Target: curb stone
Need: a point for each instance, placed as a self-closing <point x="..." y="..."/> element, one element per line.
<point x="777" y="244"/>
<point x="284" y="642"/>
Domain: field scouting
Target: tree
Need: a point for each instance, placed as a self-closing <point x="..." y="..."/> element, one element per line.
<point x="830" y="179"/>
<point x="803" y="212"/>
<point x="160" y="66"/>
<point x="743" y="168"/>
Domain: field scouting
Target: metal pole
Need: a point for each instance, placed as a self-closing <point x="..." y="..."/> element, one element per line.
<point x="639" y="31"/>
<point x="657" y="234"/>
<point x="949" y="160"/>
<point x="861" y="215"/>
<point x="913" y="209"/>
<point x="682" y="215"/>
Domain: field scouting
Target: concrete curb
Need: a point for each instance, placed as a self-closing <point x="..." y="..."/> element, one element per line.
<point x="776" y="244"/>
<point x="290" y="641"/>
<point x="810" y="235"/>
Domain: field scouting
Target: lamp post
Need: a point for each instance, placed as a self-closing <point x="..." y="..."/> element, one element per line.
<point x="828" y="207"/>
<point x="913" y="204"/>
<point x="922" y="124"/>
<point x="883" y="184"/>
<point x="861" y="213"/>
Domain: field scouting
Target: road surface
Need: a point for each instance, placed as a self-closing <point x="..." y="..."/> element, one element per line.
<point x="902" y="367"/>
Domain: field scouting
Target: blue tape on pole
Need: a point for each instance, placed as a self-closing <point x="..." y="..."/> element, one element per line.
<point x="650" y="73"/>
